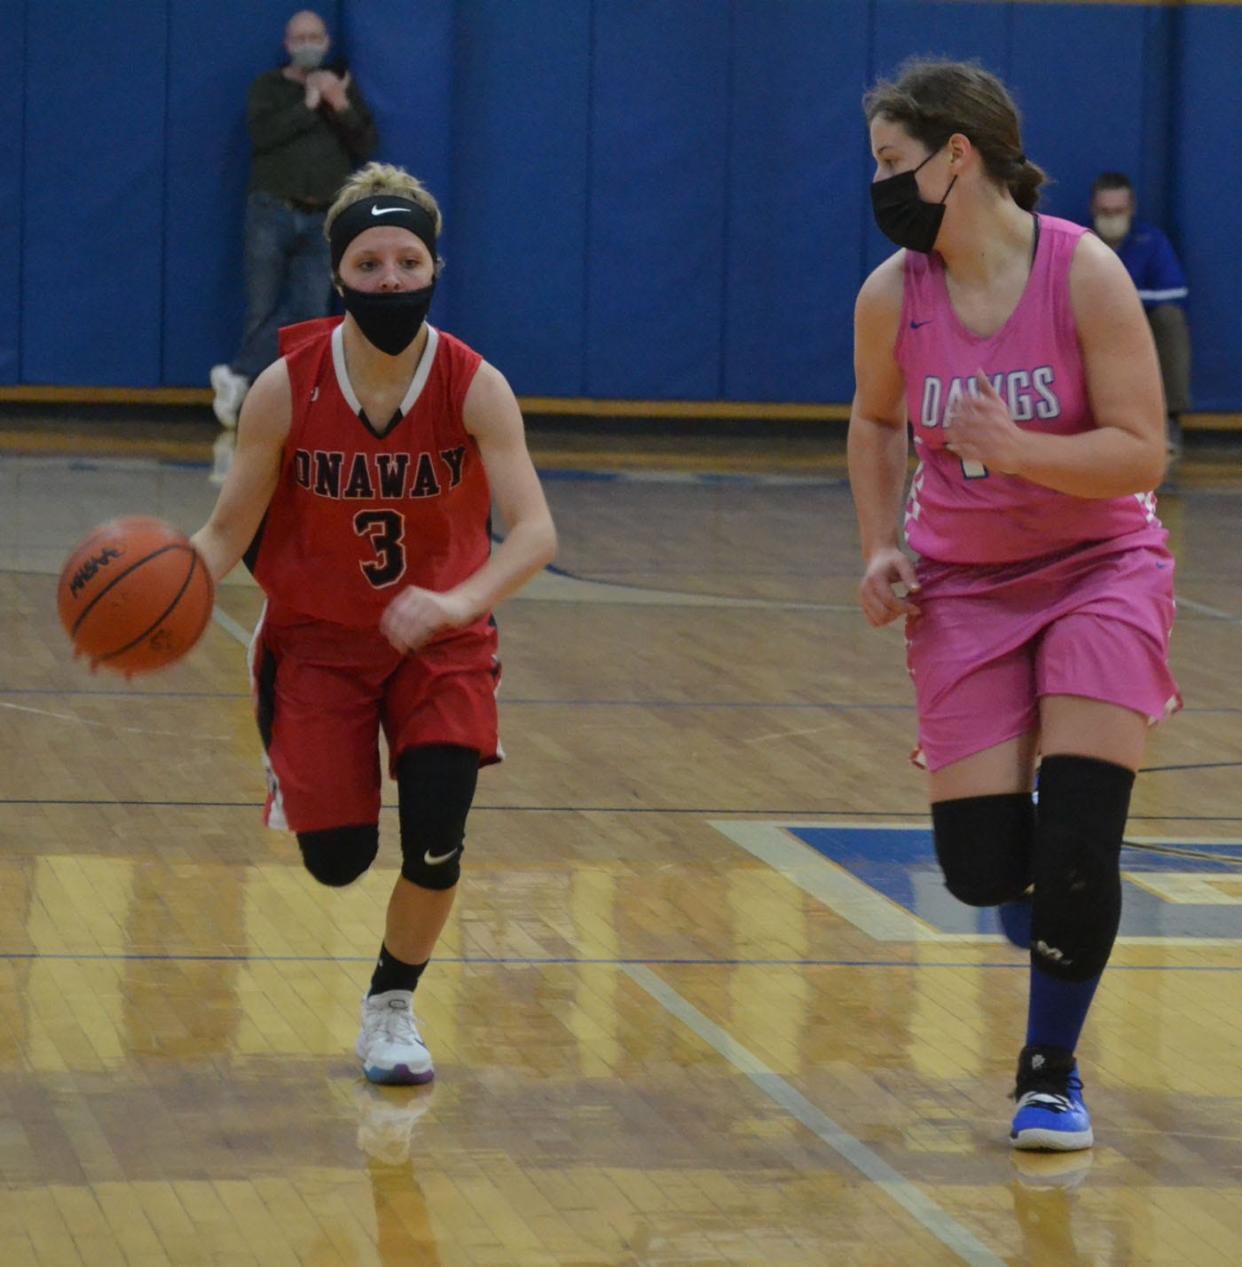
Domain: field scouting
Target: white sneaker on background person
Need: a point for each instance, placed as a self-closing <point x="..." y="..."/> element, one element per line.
<point x="230" y="390"/>
<point x="221" y="457"/>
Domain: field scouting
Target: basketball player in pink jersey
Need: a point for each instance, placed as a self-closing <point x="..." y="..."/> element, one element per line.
<point x="367" y="460"/>
<point x="1039" y="612"/>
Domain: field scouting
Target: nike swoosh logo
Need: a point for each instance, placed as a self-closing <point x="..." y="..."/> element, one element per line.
<point x="385" y="211"/>
<point x="914" y="325"/>
<point x="436" y="860"/>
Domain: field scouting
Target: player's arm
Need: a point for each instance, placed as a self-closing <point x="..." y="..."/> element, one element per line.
<point x="877" y="444"/>
<point x="261" y="433"/>
<point x="492" y="416"/>
<point x="1125" y="452"/>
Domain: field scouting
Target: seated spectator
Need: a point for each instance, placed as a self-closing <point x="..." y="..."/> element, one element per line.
<point x="1153" y="264"/>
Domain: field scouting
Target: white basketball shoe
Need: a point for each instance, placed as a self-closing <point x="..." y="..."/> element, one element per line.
<point x="390" y="1047"/>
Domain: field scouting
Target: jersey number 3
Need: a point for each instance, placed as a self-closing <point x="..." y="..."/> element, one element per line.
<point x="386" y="528"/>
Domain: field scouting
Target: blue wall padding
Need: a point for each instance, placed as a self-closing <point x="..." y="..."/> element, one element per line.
<point x="1207" y="202"/>
<point x="913" y="28"/>
<point x="795" y="201"/>
<point x="12" y="59"/>
<point x="1097" y="116"/>
<point x="643" y="199"/>
<point x="656" y="205"/>
<point x="522" y="104"/>
<point x="207" y="154"/>
<point x="93" y="194"/>
<point x="403" y="52"/>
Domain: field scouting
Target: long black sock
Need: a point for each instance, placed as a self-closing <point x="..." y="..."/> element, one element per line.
<point x="392" y="974"/>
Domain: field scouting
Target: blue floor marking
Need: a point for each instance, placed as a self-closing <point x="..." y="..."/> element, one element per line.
<point x="901" y="864"/>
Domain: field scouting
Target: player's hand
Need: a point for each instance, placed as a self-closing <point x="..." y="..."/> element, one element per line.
<point x="980" y="429"/>
<point x="878" y="592"/>
<point x="416" y="615"/>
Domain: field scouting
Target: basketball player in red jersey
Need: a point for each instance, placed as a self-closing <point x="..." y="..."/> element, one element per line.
<point x="367" y="460"/>
<point x="1039" y="614"/>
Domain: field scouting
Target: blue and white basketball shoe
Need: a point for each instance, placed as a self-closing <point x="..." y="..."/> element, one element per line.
<point x="1050" y="1114"/>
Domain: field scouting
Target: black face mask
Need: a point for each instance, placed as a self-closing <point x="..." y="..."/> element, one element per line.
<point x="903" y="217"/>
<point x="389" y="320"/>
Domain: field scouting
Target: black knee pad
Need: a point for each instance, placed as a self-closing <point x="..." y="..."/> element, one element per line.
<point x="983" y="844"/>
<point x="339" y="855"/>
<point x="1079" y="826"/>
<point x="436" y="789"/>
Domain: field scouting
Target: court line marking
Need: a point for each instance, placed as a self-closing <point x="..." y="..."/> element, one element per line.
<point x="872" y="912"/>
<point x="107" y="725"/>
<point x="230" y="626"/>
<point x="942" y="1225"/>
<point x="763" y="813"/>
<point x="1205" y="610"/>
<point x="878" y="916"/>
<point x="527" y="961"/>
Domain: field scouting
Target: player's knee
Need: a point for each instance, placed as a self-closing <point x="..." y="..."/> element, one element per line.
<point x="983" y="844"/>
<point x="1083" y="803"/>
<point x="339" y="855"/>
<point x="436" y="789"/>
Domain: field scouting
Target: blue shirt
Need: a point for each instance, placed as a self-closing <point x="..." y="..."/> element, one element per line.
<point x="1150" y="260"/>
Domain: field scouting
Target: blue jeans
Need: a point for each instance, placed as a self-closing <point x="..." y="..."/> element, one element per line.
<point x="288" y="276"/>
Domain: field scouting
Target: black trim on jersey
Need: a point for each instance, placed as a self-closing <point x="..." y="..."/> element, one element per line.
<point x="265" y="697"/>
<point x="397" y="416"/>
<point x="251" y="557"/>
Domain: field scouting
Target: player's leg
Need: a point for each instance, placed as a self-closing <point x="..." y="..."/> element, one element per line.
<point x="983" y="821"/>
<point x="1091" y="751"/>
<point x="977" y="726"/>
<point x="320" y="730"/>
<point x="1102" y="680"/>
<point x="436" y="786"/>
<point x="440" y="717"/>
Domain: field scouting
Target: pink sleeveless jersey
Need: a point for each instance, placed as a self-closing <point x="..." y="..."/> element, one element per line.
<point x="962" y="513"/>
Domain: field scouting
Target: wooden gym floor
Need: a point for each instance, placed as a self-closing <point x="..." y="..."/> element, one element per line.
<point x="702" y="1000"/>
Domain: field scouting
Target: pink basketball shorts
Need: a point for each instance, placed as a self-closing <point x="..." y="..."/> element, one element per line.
<point x="323" y="692"/>
<point x="993" y="639"/>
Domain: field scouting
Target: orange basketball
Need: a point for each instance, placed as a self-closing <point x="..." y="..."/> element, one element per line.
<point x="135" y="596"/>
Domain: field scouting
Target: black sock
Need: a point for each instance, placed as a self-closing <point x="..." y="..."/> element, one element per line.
<point x="391" y="974"/>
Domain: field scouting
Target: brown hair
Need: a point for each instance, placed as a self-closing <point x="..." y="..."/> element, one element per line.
<point x="933" y="98"/>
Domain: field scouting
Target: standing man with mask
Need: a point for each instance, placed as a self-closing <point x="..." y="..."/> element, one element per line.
<point x="1157" y="273"/>
<point x="310" y="129"/>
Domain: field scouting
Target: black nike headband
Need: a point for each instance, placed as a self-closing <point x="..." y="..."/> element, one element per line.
<point x="375" y="213"/>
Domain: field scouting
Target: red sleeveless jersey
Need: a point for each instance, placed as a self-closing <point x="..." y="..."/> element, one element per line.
<point x="358" y="516"/>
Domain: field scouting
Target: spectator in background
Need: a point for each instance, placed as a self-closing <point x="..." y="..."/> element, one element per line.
<point x="1157" y="273"/>
<point x="310" y="129"/>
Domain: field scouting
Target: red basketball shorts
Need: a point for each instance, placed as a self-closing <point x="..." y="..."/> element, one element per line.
<point x="324" y="692"/>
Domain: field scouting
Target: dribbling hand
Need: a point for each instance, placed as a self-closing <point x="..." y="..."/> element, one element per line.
<point x="877" y="593"/>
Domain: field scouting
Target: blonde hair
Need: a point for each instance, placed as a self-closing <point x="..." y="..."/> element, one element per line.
<point x="376" y="179"/>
